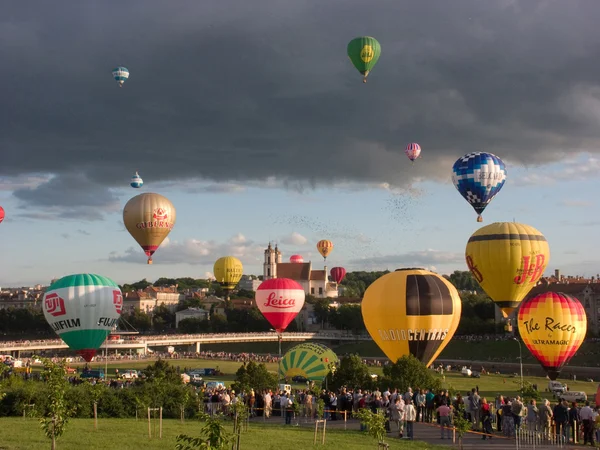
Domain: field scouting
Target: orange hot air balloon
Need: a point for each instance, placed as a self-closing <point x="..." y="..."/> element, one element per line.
<point x="149" y="218"/>
<point x="325" y="247"/>
<point x="553" y="326"/>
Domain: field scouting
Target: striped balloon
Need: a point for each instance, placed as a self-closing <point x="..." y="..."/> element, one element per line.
<point x="413" y="151"/>
<point x="325" y="247"/>
<point x="136" y="181"/>
<point x="82" y="309"/>
<point x="120" y="74"/>
<point x="308" y="360"/>
<point x="280" y="300"/>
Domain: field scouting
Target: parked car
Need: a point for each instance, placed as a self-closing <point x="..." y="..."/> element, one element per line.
<point x="130" y="374"/>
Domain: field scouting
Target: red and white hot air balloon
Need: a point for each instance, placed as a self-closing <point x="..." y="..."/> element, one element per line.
<point x="338" y="274"/>
<point x="296" y="259"/>
<point x="413" y="151"/>
<point x="279" y="300"/>
<point x="1" y="214"/>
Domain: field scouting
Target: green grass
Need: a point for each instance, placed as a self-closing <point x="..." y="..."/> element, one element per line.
<point x="129" y="434"/>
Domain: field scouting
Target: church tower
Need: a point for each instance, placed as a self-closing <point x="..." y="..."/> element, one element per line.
<point x="270" y="264"/>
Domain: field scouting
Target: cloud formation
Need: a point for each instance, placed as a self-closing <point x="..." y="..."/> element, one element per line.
<point x="267" y="97"/>
<point x="294" y="239"/>
<point x="426" y="259"/>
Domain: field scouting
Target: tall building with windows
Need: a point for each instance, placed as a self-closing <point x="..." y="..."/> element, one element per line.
<point x="314" y="282"/>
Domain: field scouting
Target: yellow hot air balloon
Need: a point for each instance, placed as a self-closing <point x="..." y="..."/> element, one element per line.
<point x="553" y="326"/>
<point x="228" y="270"/>
<point x="149" y="218"/>
<point x="507" y="259"/>
<point x="411" y="311"/>
<point x="325" y="247"/>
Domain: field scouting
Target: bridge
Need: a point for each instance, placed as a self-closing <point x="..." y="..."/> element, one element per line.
<point x="143" y="343"/>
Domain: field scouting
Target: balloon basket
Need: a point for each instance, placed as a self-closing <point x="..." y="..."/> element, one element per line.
<point x="479" y="219"/>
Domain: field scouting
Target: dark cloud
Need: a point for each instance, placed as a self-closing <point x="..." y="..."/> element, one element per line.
<point x="243" y="91"/>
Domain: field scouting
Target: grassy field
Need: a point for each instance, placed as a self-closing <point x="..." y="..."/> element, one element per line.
<point x="499" y="351"/>
<point x="129" y="434"/>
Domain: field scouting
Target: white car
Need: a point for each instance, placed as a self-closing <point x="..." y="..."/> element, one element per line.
<point x="557" y="387"/>
<point x="573" y="396"/>
<point x="130" y="374"/>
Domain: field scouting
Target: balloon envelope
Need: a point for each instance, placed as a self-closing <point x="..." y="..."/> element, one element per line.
<point x="479" y="177"/>
<point x="149" y="218"/>
<point x="280" y="300"/>
<point x="1" y="214"/>
<point x="338" y="274"/>
<point x="364" y="52"/>
<point x="136" y="181"/>
<point x="507" y="259"/>
<point x="553" y="326"/>
<point x="307" y="360"/>
<point x="411" y="312"/>
<point x="82" y="309"/>
<point x="120" y="74"/>
<point x="296" y="259"/>
<point x="412" y="150"/>
<point x="228" y="271"/>
<point x="325" y="247"/>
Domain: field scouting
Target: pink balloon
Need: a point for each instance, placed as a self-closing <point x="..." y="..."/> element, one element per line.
<point x="296" y="259"/>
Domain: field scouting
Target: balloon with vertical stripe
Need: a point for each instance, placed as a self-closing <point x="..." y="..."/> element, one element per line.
<point x="325" y="247"/>
<point x="413" y="151"/>
<point x="120" y="74"/>
<point x="311" y="361"/>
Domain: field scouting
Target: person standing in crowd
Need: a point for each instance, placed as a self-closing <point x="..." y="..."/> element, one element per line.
<point x="587" y="417"/>
<point x="517" y="411"/>
<point x="486" y="419"/>
<point x="443" y="412"/>
<point x="396" y="412"/>
<point x="574" y="422"/>
<point x="475" y="406"/>
<point x="410" y="415"/>
<point x="532" y="416"/>
<point x="561" y="417"/>
<point x="545" y="418"/>
<point x="499" y="405"/>
<point x="420" y="401"/>
<point x="429" y="405"/>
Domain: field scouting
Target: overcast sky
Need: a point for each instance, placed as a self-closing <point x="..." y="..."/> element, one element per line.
<point x="252" y="120"/>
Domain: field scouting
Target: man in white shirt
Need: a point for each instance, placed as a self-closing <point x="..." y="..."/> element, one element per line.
<point x="586" y="414"/>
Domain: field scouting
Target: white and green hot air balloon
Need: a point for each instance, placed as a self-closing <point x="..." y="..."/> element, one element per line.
<point x="82" y="309"/>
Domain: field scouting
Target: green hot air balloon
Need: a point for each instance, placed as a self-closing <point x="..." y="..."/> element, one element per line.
<point x="82" y="309"/>
<point x="311" y="361"/>
<point x="364" y="53"/>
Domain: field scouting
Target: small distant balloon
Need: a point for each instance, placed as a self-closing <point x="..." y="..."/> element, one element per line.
<point x="1" y="214"/>
<point x="338" y="274"/>
<point x="413" y="151"/>
<point x="297" y="259"/>
<point x="325" y="247"/>
<point x="136" y="181"/>
<point x="120" y="74"/>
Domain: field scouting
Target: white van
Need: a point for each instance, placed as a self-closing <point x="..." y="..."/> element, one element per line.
<point x="573" y="396"/>
<point x="466" y="372"/>
<point x="285" y="388"/>
<point x="557" y="387"/>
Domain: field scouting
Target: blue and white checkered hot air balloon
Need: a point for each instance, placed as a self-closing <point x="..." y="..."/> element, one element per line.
<point x="120" y="74"/>
<point x="479" y="177"/>
<point x="136" y="181"/>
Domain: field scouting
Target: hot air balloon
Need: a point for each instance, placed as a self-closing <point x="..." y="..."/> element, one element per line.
<point x="324" y="247"/>
<point x="479" y="177"/>
<point x="82" y="309"/>
<point x="1" y="214"/>
<point x="552" y="325"/>
<point x="507" y="259"/>
<point x="279" y="300"/>
<point x="411" y="312"/>
<point x="413" y="151"/>
<point x="120" y="74"/>
<point x="364" y="53"/>
<point x="136" y="181"/>
<point x="308" y="360"/>
<point x="228" y="271"/>
<point x="149" y="218"/>
<point x="338" y="274"/>
<point x="296" y="259"/>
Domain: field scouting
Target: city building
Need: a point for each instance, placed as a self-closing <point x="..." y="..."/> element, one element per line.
<point x="151" y="297"/>
<point x="249" y="283"/>
<point x="314" y="282"/>
<point x="191" y="313"/>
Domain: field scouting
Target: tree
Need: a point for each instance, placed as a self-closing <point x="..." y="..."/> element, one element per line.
<point x="254" y="376"/>
<point x="375" y="423"/>
<point x="461" y="423"/>
<point x="321" y="309"/>
<point x="54" y="422"/>
<point x="347" y="317"/>
<point x="407" y="372"/>
<point x="352" y="373"/>
<point x="215" y="436"/>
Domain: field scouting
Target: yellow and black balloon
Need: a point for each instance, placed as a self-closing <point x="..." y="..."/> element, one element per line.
<point x="507" y="259"/>
<point x="228" y="271"/>
<point x="553" y="326"/>
<point x="311" y="361"/>
<point x="411" y="312"/>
